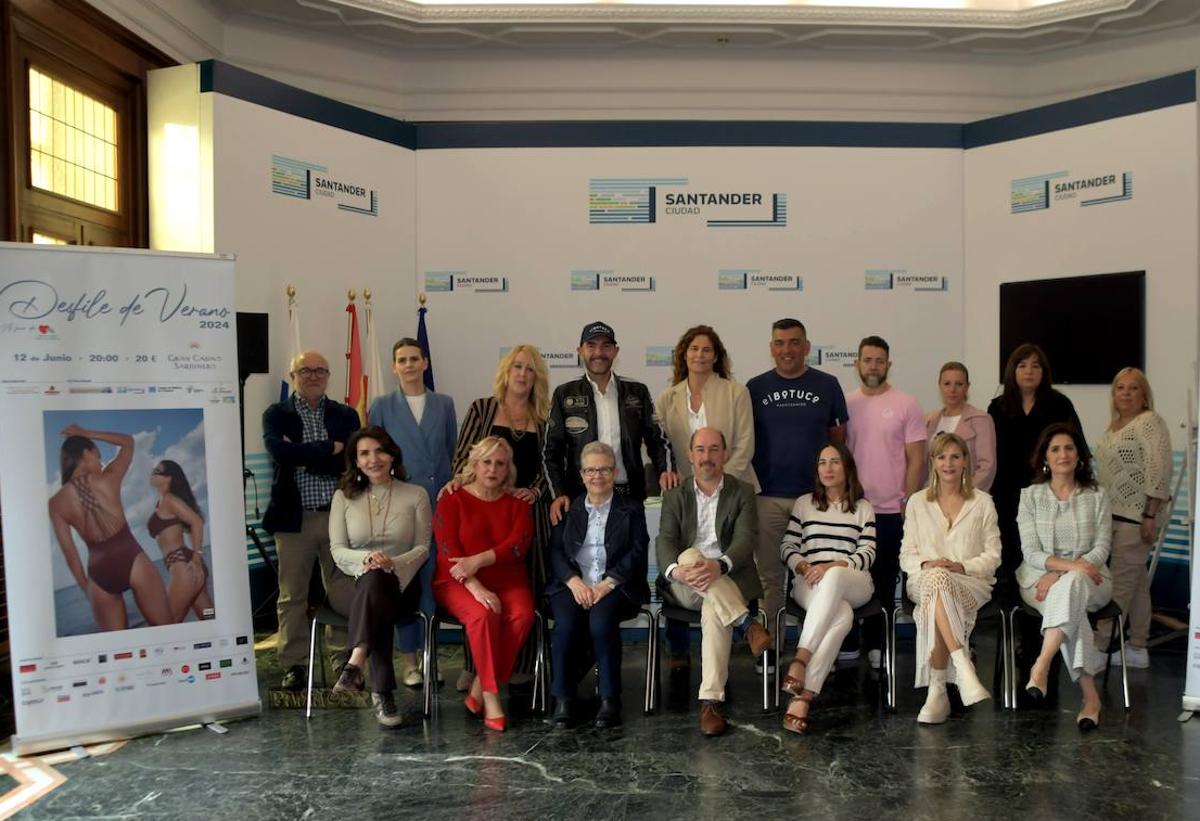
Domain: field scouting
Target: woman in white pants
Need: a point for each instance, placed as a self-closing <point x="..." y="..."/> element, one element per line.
<point x="829" y="547"/>
<point x="951" y="550"/>
<point x="1066" y="531"/>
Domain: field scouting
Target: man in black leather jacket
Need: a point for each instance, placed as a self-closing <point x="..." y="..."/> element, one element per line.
<point x="599" y="406"/>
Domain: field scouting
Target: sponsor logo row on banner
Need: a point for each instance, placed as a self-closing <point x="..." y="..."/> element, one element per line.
<point x="728" y="279"/>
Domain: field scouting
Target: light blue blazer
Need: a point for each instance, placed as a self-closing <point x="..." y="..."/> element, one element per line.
<point x="427" y="447"/>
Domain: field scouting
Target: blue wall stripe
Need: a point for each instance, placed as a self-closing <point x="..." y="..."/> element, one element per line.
<point x="254" y="88"/>
<point x="1119" y="102"/>
<point x="683" y="133"/>
<point x="1163" y="92"/>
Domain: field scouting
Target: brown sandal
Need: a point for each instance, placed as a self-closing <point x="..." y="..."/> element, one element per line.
<point x="794" y="723"/>
<point x="792" y="685"/>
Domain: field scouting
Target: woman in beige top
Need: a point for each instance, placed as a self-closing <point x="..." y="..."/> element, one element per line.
<point x="379" y="533"/>
<point x="703" y="395"/>
<point x="1133" y="463"/>
<point x="951" y="550"/>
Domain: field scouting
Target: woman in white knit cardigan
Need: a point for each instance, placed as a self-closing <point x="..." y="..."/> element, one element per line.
<point x="951" y="550"/>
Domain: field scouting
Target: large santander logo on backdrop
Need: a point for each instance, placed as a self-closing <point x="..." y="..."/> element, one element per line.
<point x="649" y="200"/>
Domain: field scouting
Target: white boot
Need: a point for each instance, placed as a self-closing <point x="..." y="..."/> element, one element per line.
<point x="937" y="706"/>
<point x="969" y="686"/>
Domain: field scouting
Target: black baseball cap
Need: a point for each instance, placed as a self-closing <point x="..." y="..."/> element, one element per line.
<point x="595" y="329"/>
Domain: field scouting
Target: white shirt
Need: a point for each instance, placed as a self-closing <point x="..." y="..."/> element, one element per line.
<point x="947" y="424"/>
<point x="608" y="422"/>
<point x="593" y="555"/>
<point x="416" y="404"/>
<point x="706" y="528"/>
<point x="696" y="419"/>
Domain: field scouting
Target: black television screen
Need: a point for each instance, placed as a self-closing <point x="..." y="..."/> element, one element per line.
<point x="1090" y="327"/>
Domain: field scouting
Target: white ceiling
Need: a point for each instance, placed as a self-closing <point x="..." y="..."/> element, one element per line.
<point x="980" y="27"/>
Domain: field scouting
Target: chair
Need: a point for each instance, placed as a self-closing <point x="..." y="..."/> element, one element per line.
<point x="441" y="617"/>
<point x="674" y="612"/>
<point x="1111" y="611"/>
<point x="1004" y="648"/>
<point x="327" y="616"/>
<point x="867" y="611"/>
<point x="651" y="647"/>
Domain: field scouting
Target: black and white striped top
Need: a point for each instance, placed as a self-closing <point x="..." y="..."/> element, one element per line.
<point x="816" y="536"/>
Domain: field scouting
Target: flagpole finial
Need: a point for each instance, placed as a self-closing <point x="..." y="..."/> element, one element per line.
<point x="351" y="294"/>
<point x="367" y="294"/>
<point x="421" y="298"/>
<point x="291" y="293"/>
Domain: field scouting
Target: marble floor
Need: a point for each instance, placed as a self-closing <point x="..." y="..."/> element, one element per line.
<point x="858" y="762"/>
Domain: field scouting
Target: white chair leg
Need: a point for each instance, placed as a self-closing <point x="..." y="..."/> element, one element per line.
<point x="1124" y="669"/>
<point x="428" y="684"/>
<point x="312" y="647"/>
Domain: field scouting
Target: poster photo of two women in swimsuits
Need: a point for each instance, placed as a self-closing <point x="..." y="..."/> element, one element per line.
<point x="128" y="505"/>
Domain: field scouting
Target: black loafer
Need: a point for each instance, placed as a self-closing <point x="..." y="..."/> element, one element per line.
<point x="562" y="713"/>
<point x="609" y="714"/>
<point x="295" y="679"/>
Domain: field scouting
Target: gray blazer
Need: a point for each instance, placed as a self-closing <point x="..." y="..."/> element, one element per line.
<point x="1035" y="521"/>
<point x="737" y="531"/>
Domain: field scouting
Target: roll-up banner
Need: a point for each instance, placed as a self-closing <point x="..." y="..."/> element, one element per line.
<point x="120" y="493"/>
<point x="1191" y="688"/>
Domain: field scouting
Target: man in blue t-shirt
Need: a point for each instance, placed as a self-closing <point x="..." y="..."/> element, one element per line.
<point x="797" y="410"/>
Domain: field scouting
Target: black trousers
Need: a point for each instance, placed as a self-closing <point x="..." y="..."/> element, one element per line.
<point x="885" y="571"/>
<point x="582" y="635"/>
<point x="378" y="605"/>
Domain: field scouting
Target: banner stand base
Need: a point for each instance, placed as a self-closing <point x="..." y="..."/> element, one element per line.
<point x="29" y="746"/>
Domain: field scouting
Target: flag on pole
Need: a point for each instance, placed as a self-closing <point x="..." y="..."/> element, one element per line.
<point x="374" y="376"/>
<point x="423" y="341"/>
<point x="294" y="346"/>
<point x="354" y="369"/>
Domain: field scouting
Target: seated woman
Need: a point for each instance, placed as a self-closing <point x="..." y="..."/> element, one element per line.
<point x="89" y="502"/>
<point x="379" y="532"/>
<point x="951" y="550"/>
<point x="829" y="546"/>
<point x="175" y="512"/>
<point x="483" y="534"/>
<point x="1066" y="532"/>
<point x="598" y="555"/>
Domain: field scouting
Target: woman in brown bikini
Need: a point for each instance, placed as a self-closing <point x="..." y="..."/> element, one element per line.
<point x="90" y="503"/>
<point x="177" y="511"/>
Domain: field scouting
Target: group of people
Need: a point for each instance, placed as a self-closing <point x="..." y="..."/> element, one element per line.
<point x="780" y="487"/>
<point x="89" y="503"/>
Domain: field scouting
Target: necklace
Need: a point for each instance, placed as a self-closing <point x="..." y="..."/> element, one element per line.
<point x="375" y="507"/>
<point x="517" y="427"/>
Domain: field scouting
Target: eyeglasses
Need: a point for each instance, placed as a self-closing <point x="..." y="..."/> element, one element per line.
<point x="307" y="372"/>
<point x="604" y="471"/>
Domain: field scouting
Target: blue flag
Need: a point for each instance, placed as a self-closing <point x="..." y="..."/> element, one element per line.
<point x="423" y="340"/>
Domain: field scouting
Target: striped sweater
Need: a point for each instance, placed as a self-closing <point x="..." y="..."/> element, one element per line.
<point x="816" y="536"/>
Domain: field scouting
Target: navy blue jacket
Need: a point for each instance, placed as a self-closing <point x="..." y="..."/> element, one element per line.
<point x="283" y="434"/>
<point x="626" y="544"/>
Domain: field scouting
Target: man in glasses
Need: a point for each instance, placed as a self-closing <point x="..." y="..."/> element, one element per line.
<point x="305" y="435"/>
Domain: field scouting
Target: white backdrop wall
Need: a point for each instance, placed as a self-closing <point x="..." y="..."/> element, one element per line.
<point x="523" y="215"/>
<point x="1154" y="231"/>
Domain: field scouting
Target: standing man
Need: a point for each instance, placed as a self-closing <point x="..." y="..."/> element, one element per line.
<point x="797" y="411"/>
<point x="423" y="424"/>
<point x="305" y="435"/>
<point x="599" y="407"/>
<point x="705" y="546"/>
<point x="887" y="436"/>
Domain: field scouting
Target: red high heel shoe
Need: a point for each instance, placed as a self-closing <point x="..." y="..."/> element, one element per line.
<point x="499" y="723"/>
<point x="472" y="705"/>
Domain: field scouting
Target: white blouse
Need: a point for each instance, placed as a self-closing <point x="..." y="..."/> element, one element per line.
<point x="1134" y="463"/>
<point x="973" y="540"/>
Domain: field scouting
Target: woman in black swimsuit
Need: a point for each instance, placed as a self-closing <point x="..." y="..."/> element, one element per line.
<point x="176" y="511"/>
<point x="90" y="503"/>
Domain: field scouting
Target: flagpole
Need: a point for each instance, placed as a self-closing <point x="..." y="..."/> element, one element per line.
<point x="351" y="295"/>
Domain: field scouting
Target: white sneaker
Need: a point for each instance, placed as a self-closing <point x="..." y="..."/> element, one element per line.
<point x="1137" y="657"/>
<point x="875" y="659"/>
<point x="937" y="706"/>
<point x="848" y="656"/>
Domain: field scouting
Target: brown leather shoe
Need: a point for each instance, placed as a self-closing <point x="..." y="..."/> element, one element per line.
<point x="758" y="638"/>
<point x="679" y="664"/>
<point x="712" y="723"/>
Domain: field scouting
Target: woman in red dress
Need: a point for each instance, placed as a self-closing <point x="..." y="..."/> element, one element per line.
<point x="483" y="533"/>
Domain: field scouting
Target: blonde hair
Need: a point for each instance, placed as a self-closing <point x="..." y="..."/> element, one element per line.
<point x="539" y="397"/>
<point x="1136" y="373"/>
<point x="484" y="448"/>
<point x="936" y="449"/>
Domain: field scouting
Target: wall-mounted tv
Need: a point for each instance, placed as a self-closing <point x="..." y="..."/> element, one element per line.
<point x="1089" y="326"/>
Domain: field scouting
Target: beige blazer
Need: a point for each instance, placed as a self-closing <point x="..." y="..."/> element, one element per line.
<point x="726" y="408"/>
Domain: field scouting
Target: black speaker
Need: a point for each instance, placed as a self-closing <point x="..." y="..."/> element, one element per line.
<point x="252" y="348"/>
